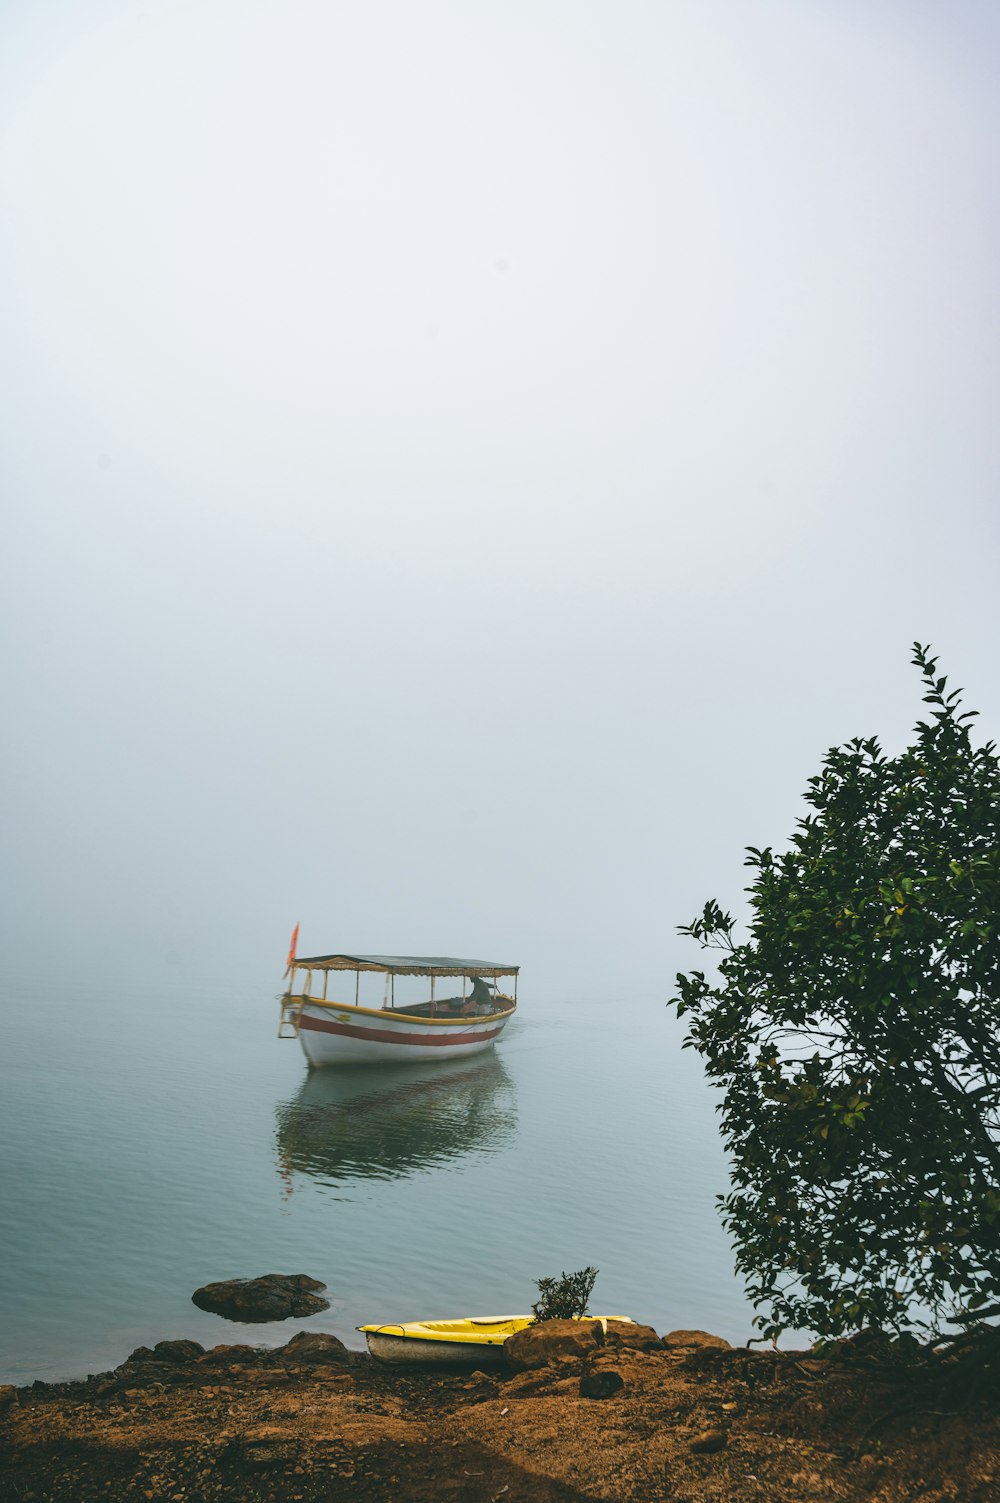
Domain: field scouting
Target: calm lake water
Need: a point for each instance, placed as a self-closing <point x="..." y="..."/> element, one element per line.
<point x="160" y="1136"/>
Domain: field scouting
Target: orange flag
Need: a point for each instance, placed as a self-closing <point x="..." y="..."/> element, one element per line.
<point x="291" y="949"/>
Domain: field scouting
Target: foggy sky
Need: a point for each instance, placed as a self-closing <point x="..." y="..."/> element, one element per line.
<point x="464" y="464"/>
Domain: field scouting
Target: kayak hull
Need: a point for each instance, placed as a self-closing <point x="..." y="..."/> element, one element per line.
<point x="410" y="1350"/>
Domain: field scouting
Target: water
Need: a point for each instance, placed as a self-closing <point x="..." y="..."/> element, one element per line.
<point x="159" y="1136"/>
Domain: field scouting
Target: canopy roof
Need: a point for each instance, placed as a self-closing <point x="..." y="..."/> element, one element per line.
<point x="405" y="965"/>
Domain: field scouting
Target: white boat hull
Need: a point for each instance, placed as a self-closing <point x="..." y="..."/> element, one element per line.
<point x="338" y="1034"/>
<point x="404" y="1350"/>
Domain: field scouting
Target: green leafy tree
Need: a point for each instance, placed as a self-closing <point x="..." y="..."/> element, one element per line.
<point x="856" y="1036"/>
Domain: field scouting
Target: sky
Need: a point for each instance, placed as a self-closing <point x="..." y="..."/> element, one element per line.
<point x="464" y="464"/>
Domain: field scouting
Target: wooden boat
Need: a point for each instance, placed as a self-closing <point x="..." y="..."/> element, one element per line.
<point x="473" y="1341"/>
<point x="335" y="1031"/>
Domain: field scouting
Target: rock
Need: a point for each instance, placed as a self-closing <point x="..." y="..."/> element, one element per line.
<point x="260" y="1452"/>
<point x="141" y="1354"/>
<point x="871" y="1346"/>
<point x="708" y="1441"/>
<point x="807" y="1484"/>
<point x="229" y="1356"/>
<point x="601" y="1383"/>
<point x="177" y="1351"/>
<point x="689" y="1340"/>
<point x="548" y="1340"/>
<point x="313" y="1347"/>
<point x="631" y="1335"/>
<point x="523" y="1384"/>
<point x="8" y="1396"/>
<point x="274" y="1296"/>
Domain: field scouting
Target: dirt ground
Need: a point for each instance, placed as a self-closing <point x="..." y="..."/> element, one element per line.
<point x="688" y="1420"/>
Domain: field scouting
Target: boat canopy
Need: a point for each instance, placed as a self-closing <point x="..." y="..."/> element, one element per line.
<point x="405" y="965"/>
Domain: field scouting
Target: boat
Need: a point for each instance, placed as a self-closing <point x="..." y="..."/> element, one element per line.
<point x="475" y="1340"/>
<point x="442" y="1025"/>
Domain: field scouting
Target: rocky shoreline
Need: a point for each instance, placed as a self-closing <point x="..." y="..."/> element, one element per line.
<point x="574" y="1416"/>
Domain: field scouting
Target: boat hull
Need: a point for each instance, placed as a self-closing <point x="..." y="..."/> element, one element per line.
<point x="406" y="1351"/>
<point x="338" y="1034"/>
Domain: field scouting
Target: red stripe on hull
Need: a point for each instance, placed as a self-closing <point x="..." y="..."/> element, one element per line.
<point x="392" y="1036"/>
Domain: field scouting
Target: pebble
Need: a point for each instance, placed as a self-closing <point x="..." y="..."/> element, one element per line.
<point x="601" y="1384"/>
<point x="708" y="1441"/>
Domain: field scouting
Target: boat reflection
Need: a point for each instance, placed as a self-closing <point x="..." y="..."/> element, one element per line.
<point x="386" y="1123"/>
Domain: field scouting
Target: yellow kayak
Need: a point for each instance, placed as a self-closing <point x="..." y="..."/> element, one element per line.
<point x="474" y="1340"/>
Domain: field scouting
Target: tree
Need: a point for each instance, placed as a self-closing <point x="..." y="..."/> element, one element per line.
<point x="856" y="1036"/>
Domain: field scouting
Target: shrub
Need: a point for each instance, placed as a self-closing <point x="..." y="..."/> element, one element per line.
<point x="565" y="1297"/>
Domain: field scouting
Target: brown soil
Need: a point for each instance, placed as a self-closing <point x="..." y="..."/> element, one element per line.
<point x="689" y="1422"/>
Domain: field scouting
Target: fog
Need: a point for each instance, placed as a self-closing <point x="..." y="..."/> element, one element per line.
<point x="465" y="464"/>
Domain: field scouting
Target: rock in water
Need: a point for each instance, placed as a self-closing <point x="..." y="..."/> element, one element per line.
<point x="274" y="1296"/>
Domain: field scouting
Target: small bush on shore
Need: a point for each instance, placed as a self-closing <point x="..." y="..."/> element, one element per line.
<point x="566" y="1297"/>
